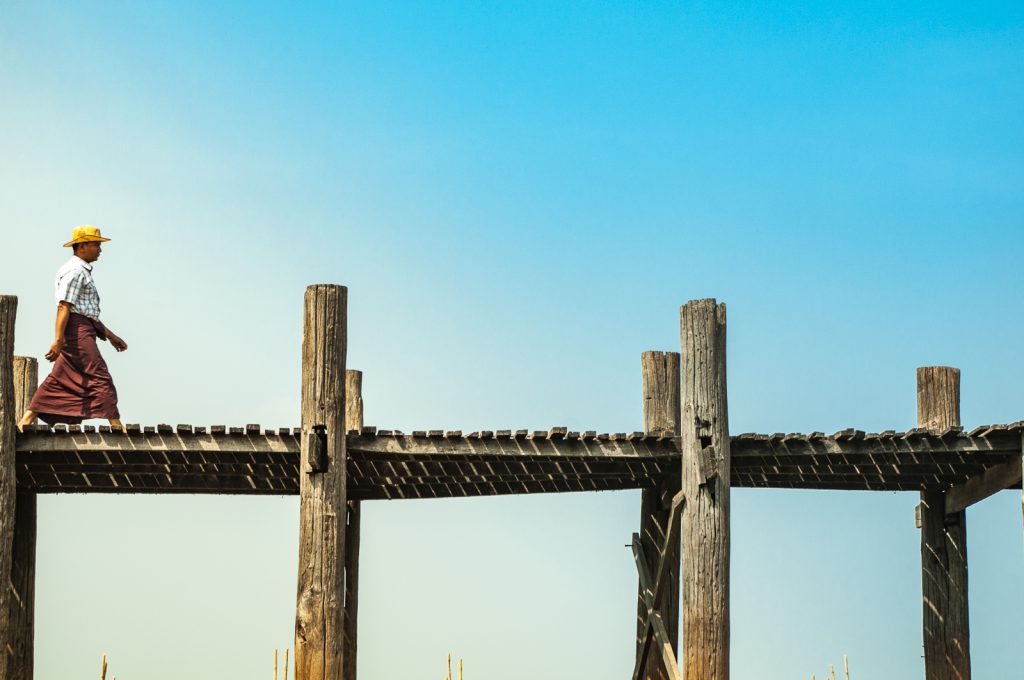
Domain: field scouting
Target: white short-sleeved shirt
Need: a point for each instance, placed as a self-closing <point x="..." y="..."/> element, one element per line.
<point x="74" y="284"/>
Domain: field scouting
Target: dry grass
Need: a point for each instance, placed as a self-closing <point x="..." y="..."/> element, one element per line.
<point x="832" y="671"/>
<point x="286" y="664"/>
<point x="449" y="676"/>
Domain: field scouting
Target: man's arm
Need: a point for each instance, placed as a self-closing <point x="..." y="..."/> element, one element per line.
<point x="63" y="311"/>
<point x="115" y="340"/>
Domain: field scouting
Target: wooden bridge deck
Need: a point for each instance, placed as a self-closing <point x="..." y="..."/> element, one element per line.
<point x="437" y="464"/>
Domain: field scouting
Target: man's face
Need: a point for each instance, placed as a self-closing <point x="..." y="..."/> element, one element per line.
<point x="90" y="252"/>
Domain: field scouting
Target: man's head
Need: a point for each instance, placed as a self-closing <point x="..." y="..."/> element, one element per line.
<point x="85" y="242"/>
<point x="89" y="251"/>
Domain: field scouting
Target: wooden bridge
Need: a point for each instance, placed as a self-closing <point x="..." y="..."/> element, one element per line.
<point x="685" y="461"/>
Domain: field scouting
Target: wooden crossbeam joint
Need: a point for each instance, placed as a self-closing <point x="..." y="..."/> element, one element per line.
<point x="316" y="449"/>
<point x="979" y="487"/>
<point x="708" y="464"/>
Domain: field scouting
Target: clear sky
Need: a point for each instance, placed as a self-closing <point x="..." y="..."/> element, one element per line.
<point x="519" y="197"/>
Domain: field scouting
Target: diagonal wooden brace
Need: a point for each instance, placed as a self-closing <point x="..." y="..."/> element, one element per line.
<point x="983" y="485"/>
<point x="654" y="623"/>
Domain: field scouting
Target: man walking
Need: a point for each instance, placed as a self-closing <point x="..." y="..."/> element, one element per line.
<point x="79" y="386"/>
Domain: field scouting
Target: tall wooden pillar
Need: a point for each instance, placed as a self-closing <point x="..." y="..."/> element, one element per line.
<point x="947" y="648"/>
<point x="320" y="609"/>
<point x="353" y="421"/>
<point x="21" y="627"/>
<point x="8" y="491"/>
<point x="661" y="414"/>
<point x="705" y="479"/>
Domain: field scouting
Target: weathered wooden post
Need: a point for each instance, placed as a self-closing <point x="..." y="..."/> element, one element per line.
<point x="661" y="414"/>
<point x="353" y="421"/>
<point x="319" y="616"/>
<point x="8" y="490"/>
<point x="21" y="627"/>
<point x="947" y="639"/>
<point x="706" y="470"/>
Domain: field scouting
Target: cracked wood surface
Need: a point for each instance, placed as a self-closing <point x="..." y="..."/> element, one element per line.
<point x="8" y="483"/>
<point x="320" y="600"/>
<point x="947" y="638"/>
<point x="705" y="526"/>
<point x="20" y="647"/>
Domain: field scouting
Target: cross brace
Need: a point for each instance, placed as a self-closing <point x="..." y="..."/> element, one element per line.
<point x="653" y="592"/>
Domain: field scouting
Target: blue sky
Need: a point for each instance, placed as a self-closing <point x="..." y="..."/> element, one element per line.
<point x="519" y="197"/>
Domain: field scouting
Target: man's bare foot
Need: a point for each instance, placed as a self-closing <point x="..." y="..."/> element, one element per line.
<point x="25" y="420"/>
<point x="118" y="425"/>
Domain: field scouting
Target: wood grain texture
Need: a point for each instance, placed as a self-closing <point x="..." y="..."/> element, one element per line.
<point x="319" y="616"/>
<point x="353" y="421"/>
<point x="661" y="413"/>
<point x="938" y="397"/>
<point x="705" y="528"/>
<point x="8" y="491"/>
<point x="947" y="654"/>
<point x="20" y="647"/>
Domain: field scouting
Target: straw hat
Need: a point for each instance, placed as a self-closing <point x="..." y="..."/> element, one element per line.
<point x="85" y="234"/>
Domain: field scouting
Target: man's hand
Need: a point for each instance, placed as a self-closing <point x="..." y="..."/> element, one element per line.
<point x="117" y="343"/>
<point x="55" y="349"/>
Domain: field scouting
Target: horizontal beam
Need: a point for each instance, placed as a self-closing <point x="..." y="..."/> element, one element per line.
<point x="993" y="480"/>
<point x="390" y="464"/>
<point x="950" y="445"/>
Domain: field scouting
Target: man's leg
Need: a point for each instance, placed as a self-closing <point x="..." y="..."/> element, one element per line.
<point x="26" y="420"/>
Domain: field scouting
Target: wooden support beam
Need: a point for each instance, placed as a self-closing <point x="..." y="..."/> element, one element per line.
<point x="656" y="633"/>
<point x="992" y="480"/>
<point x="652" y="593"/>
<point x="353" y="421"/>
<point x="947" y="653"/>
<point x="8" y="490"/>
<point x="20" y="647"/>
<point x="661" y="411"/>
<point x="319" y="616"/>
<point x="706" y="483"/>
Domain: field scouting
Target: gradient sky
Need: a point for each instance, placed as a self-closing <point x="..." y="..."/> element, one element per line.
<point x="519" y="197"/>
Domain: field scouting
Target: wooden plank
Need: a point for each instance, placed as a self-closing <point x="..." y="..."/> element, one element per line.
<point x="40" y="442"/>
<point x="539" y="445"/>
<point x="947" y="654"/>
<point x="705" y="545"/>
<point x="992" y="480"/>
<point x="996" y="446"/>
<point x="319" y="611"/>
<point x="353" y="422"/>
<point x="8" y="490"/>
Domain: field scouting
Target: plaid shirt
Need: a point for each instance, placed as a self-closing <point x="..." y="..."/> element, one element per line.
<point x="74" y="284"/>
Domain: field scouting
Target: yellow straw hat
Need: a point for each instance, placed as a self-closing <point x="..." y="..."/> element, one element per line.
<point x="85" y="234"/>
